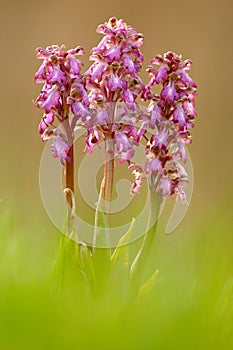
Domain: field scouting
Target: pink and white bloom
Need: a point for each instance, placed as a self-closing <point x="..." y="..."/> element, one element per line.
<point x="92" y="139"/>
<point x="60" y="149"/>
<point x="91" y="100"/>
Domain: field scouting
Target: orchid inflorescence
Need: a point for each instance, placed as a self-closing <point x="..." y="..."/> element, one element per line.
<point x="89" y="100"/>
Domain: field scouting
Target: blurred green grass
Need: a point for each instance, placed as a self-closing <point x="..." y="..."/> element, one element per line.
<point x="190" y="307"/>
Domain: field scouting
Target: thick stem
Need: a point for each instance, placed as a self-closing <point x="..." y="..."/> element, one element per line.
<point x="69" y="192"/>
<point x="69" y="175"/>
<point x="69" y="178"/>
<point x="108" y="167"/>
<point x="109" y="158"/>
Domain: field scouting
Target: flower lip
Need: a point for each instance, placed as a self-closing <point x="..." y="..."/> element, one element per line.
<point x="60" y="150"/>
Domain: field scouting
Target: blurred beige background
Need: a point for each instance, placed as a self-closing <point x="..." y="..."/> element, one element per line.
<point x="200" y="30"/>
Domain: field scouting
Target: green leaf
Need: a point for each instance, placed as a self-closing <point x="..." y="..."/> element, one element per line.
<point x="101" y="251"/>
<point x="120" y="264"/>
<point x="101" y="232"/>
<point x="139" y="261"/>
<point x="138" y="265"/>
<point x="144" y="250"/>
<point x="86" y="262"/>
<point x="122" y="250"/>
<point x="147" y="287"/>
<point x="66" y="265"/>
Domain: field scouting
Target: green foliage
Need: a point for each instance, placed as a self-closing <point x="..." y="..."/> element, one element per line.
<point x="148" y="286"/>
<point x="187" y="305"/>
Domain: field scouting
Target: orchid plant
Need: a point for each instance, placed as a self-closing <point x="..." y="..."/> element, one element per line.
<point x="104" y="101"/>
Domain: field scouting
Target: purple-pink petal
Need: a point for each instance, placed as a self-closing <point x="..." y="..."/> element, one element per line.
<point x="40" y="76"/>
<point x="128" y="98"/>
<point x="189" y="108"/>
<point x="155" y="116"/>
<point x="153" y="165"/>
<point x="122" y="143"/>
<point x="137" y="183"/>
<point x="114" y="53"/>
<point x="52" y="99"/>
<point x="180" y="116"/>
<point x="169" y="93"/>
<point x="78" y="108"/>
<point x="114" y="82"/>
<point x="101" y="46"/>
<point x="102" y="117"/>
<point x="161" y="139"/>
<point x="56" y="76"/>
<point x="74" y="64"/>
<point x="96" y="71"/>
<point x="60" y="149"/>
<point x="186" y="79"/>
<point x="181" y="194"/>
<point x="165" y="186"/>
<point x="92" y="139"/>
<point x="161" y="75"/>
<point x="42" y="126"/>
<point x="128" y="63"/>
<point x="126" y="156"/>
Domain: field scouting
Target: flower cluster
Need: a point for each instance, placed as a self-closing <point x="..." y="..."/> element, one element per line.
<point x="117" y="61"/>
<point x="163" y="155"/>
<point x="63" y="90"/>
<point x="104" y="101"/>
<point x="172" y="113"/>
<point x="176" y="102"/>
<point x="113" y="77"/>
